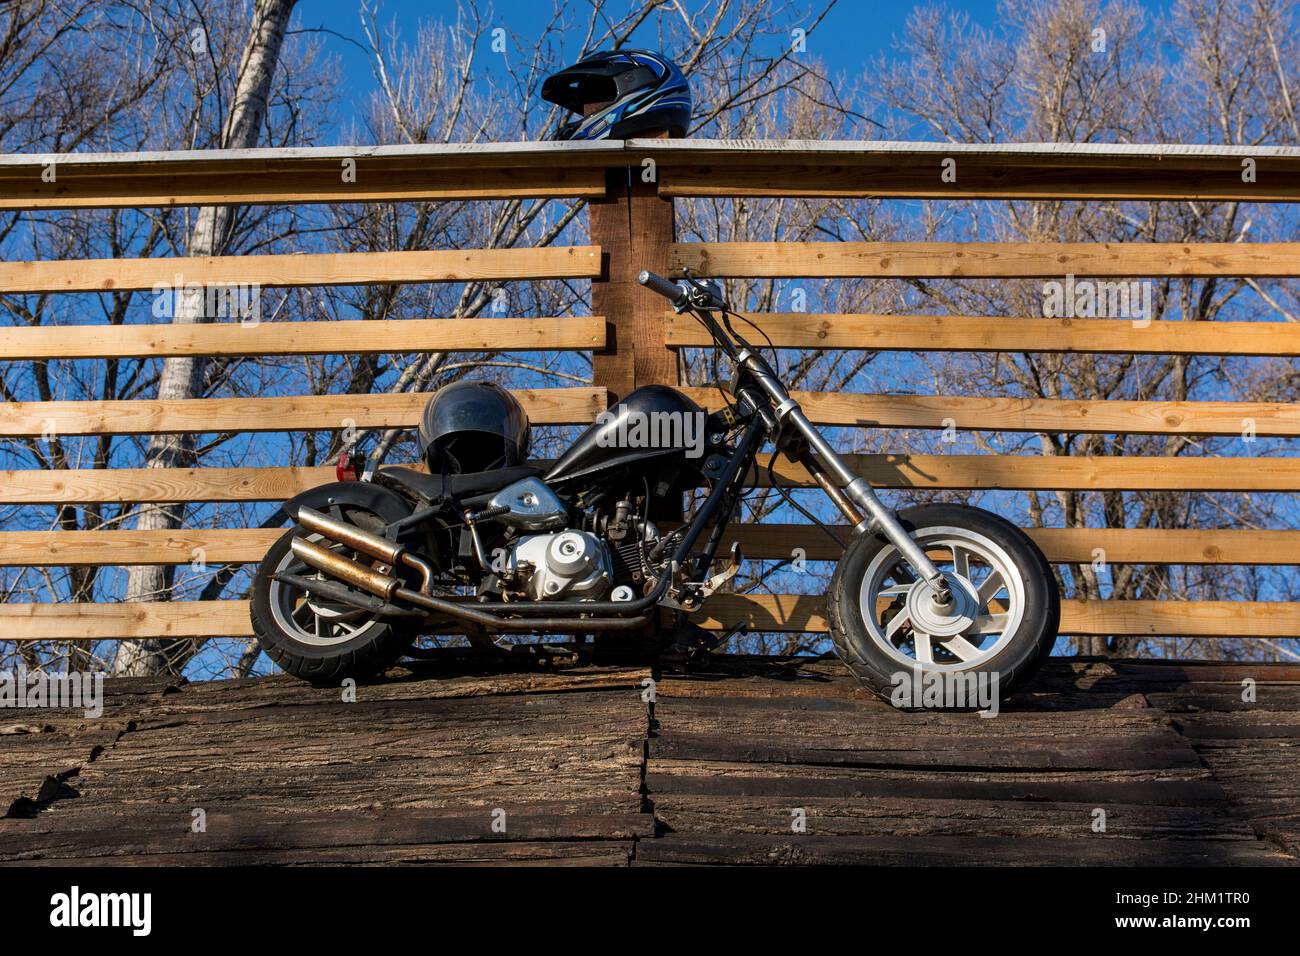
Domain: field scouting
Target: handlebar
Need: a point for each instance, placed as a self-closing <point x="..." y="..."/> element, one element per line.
<point x="670" y="290"/>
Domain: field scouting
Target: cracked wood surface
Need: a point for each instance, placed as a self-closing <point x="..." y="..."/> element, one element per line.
<point x="587" y="773"/>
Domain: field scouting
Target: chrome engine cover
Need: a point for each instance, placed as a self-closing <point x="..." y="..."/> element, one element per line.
<point x="533" y="506"/>
<point x="570" y="564"/>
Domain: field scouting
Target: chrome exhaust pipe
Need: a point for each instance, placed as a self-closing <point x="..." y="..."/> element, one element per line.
<point x="367" y="543"/>
<point x="345" y="569"/>
<point x="358" y="539"/>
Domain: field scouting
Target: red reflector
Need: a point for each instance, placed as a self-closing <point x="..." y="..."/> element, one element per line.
<point x="345" y="470"/>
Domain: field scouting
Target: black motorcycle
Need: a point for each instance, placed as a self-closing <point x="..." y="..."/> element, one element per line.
<point x="483" y="544"/>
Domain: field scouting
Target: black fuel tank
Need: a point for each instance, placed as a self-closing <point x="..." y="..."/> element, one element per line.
<point x="652" y="425"/>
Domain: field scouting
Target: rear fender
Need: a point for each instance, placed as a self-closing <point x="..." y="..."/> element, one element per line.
<point x="387" y="504"/>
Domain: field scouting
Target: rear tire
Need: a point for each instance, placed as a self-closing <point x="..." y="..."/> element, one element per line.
<point x="288" y="622"/>
<point x="988" y="559"/>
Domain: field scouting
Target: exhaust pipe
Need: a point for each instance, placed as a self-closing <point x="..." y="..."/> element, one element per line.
<point x="345" y="569"/>
<point x="367" y="543"/>
<point x="355" y="538"/>
<point x="387" y="586"/>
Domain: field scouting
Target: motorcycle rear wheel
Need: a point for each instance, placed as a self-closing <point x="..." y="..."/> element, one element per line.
<point x="317" y="640"/>
<point x="1003" y="621"/>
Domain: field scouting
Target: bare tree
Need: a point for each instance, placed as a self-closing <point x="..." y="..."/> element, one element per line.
<point x="1043" y="75"/>
<point x="182" y="375"/>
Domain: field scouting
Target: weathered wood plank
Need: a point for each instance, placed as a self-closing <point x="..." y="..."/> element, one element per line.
<point x="231" y="828"/>
<point x="349" y="337"/>
<point x="1098" y="792"/>
<point x="922" y="818"/>
<point x="956" y="260"/>
<point x="1152" y="752"/>
<point x="306" y="269"/>
<point x="812" y="849"/>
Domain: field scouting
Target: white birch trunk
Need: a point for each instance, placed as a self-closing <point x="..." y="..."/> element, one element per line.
<point x="182" y="377"/>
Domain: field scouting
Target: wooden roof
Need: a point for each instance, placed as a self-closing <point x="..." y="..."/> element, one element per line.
<point x="587" y="772"/>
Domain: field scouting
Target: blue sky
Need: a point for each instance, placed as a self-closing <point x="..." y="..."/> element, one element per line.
<point x="854" y="32"/>
<point x="852" y="35"/>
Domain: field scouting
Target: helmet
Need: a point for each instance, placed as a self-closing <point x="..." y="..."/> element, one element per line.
<point x="641" y="92"/>
<point x="473" y="426"/>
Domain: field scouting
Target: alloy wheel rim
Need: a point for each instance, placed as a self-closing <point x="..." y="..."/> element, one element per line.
<point x="310" y="619"/>
<point x="988" y="602"/>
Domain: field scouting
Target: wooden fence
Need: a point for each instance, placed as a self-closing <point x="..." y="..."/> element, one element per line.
<point x="633" y="341"/>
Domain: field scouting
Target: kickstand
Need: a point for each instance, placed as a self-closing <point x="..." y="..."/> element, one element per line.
<point x="692" y="643"/>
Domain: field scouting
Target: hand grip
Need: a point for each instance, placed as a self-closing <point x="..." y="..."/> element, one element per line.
<point x="668" y="289"/>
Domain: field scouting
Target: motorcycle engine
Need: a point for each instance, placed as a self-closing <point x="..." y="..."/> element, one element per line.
<point x="566" y="565"/>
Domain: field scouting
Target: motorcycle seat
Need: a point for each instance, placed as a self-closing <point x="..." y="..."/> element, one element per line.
<point x="432" y="487"/>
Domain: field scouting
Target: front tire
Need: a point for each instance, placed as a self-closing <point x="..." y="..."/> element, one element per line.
<point x="313" y="639"/>
<point x="1006" y="604"/>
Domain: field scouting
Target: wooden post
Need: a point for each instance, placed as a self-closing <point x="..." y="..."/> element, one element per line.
<point x="634" y="228"/>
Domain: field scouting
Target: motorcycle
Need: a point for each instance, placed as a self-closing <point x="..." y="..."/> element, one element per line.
<point x="597" y="544"/>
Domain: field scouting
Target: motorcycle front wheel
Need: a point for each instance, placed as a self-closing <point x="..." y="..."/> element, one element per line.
<point x="1002" y="619"/>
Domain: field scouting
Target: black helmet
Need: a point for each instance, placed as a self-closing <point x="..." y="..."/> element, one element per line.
<point x="473" y="426"/>
<point x="644" y="92"/>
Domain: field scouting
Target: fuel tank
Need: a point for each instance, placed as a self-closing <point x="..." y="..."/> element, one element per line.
<point x="654" y="426"/>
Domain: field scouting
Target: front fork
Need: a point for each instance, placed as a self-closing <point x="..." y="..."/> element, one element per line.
<point x="848" y="491"/>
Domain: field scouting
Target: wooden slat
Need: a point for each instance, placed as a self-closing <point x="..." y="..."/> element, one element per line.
<point x="967" y="333"/>
<point x="128" y="485"/>
<point x="96" y="191"/>
<point x="777" y="541"/>
<point x="1085" y="473"/>
<point x="93" y="622"/>
<point x="782" y="612"/>
<point x="577" y="405"/>
<point x="686" y="167"/>
<point x="302" y="175"/>
<point x="970" y="413"/>
<point x="1008" y="472"/>
<point x="895" y="179"/>
<point x="109" y="548"/>
<point x="1027" y="260"/>
<point x="308" y="269"/>
<point x="805" y="612"/>
<point x="302" y="338"/>
<point x="805" y="168"/>
<point x="290" y="413"/>
<point x="1060" y="545"/>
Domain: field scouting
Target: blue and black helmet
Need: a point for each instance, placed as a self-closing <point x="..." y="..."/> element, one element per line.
<point x="638" y="92"/>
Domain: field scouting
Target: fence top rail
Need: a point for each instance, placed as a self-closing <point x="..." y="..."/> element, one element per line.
<point x="769" y="150"/>
<point x="709" y="168"/>
<point x="602" y="152"/>
<point x="596" y="153"/>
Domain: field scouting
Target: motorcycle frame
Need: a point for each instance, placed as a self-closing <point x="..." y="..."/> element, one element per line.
<point x="768" y="411"/>
<point x="827" y="468"/>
